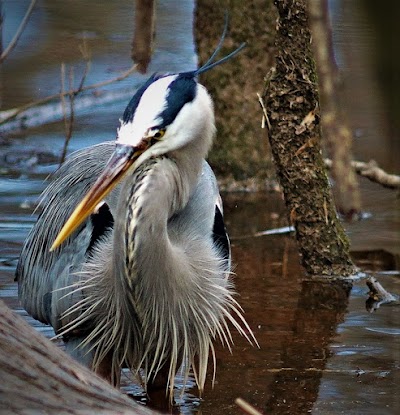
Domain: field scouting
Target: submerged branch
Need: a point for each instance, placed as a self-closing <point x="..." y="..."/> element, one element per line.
<point x="377" y="295"/>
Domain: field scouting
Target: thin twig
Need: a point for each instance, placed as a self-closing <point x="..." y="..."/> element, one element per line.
<point x="41" y="101"/>
<point x="68" y="121"/>
<point x="246" y="407"/>
<point x="62" y="96"/>
<point x="18" y="33"/>
<point x="86" y="56"/>
<point x="265" y="118"/>
<point x="1" y="27"/>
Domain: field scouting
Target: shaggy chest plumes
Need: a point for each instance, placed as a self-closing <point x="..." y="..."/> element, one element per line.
<point x="169" y="272"/>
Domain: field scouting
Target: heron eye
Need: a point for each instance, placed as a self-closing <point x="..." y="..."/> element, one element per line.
<point x="159" y="134"/>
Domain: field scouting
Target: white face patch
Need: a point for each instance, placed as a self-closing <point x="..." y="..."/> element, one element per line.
<point x="152" y="103"/>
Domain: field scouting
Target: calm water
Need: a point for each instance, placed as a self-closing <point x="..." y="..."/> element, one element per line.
<point x="320" y="350"/>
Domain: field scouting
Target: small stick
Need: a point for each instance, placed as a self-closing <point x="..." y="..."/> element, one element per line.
<point x="68" y="122"/>
<point x="86" y="55"/>
<point x="246" y="407"/>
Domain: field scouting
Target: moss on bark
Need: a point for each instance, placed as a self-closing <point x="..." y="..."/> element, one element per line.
<point x="291" y="99"/>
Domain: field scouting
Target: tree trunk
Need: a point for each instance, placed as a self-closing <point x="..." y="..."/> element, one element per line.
<point x="238" y="154"/>
<point x="37" y="377"/>
<point x="142" y="42"/>
<point x="291" y="102"/>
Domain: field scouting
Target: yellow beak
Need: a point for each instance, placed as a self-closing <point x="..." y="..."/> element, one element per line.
<point x="116" y="168"/>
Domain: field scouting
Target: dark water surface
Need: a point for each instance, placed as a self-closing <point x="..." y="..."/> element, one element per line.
<point x="320" y="350"/>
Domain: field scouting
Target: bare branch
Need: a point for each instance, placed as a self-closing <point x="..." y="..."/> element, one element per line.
<point x="86" y="56"/>
<point x="62" y="96"/>
<point x="11" y="114"/>
<point x="373" y="172"/>
<point x="18" y="33"/>
<point x="68" y="121"/>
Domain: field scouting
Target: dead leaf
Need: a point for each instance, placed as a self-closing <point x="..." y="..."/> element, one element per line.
<point x="306" y="122"/>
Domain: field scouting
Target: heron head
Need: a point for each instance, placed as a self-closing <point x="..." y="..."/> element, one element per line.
<point x="171" y="111"/>
<point x="168" y="113"/>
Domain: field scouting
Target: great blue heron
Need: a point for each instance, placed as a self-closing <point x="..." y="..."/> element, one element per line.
<point x="139" y="275"/>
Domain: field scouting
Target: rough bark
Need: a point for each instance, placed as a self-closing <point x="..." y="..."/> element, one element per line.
<point x="291" y="102"/>
<point x="37" y="377"/>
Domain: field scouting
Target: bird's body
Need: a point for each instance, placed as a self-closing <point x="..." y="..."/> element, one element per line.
<point x="143" y="277"/>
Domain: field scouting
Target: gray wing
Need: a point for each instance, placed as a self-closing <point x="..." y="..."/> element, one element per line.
<point x="42" y="274"/>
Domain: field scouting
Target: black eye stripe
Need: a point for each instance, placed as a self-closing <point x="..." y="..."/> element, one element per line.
<point x="181" y="91"/>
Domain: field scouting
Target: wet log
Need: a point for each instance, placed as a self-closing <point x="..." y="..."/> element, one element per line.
<point x="291" y="104"/>
<point x="38" y="377"/>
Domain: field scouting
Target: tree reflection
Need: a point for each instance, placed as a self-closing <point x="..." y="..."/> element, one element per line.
<point x="321" y="307"/>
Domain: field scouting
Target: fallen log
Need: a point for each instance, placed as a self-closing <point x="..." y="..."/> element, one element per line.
<point x="38" y="377"/>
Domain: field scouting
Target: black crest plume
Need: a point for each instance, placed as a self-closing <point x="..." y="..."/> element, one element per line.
<point x="210" y="64"/>
<point x="183" y="88"/>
